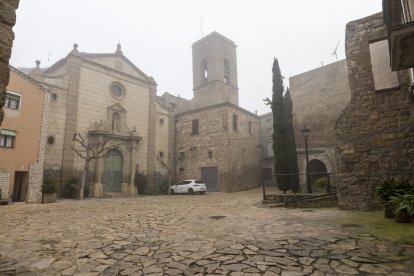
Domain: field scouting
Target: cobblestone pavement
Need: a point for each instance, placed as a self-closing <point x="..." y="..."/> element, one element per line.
<point x="185" y="235"/>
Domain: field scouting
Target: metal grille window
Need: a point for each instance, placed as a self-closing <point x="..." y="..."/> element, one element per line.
<point x="12" y="101"/>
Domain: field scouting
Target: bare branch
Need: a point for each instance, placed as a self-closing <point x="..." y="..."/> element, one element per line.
<point x="78" y="152"/>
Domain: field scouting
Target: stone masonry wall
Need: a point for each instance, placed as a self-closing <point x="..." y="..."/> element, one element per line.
<point x="235" y="153"/>
<point x="375" y="133"/>
<point x="7" y="21"/>
<point x="34" y="193"/>
<point x="4" y="183"/>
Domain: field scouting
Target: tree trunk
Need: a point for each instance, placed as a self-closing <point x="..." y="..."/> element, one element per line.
<point x="169" y="184"/>
<point x="83" y="180"/>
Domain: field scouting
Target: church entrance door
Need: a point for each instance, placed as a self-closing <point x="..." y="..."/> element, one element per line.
<point x="112" y="179"/>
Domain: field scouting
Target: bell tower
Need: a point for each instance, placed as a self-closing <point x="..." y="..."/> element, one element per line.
<point x="214" y="71"/>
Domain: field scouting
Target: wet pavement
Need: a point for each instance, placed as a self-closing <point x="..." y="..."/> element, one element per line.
<point x="212" y="234"/>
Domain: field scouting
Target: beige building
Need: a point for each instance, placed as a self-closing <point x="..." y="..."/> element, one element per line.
<point x="216" y="140"/>
<point x="103" y="96"/>
<point x="319" y="96"/>
<point x="23" y="139"/>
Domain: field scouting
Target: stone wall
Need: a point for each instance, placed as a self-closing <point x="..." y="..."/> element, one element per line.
<point x="34" y="193"/>
<point x="375" y="133"/>
<point x="7" y="21"/>
<point x="235" y="153"/>
<point x="318" y="97"/>
<point x="4" y="183"/>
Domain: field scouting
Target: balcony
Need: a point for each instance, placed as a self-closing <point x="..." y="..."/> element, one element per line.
<point x="398" y="17"/>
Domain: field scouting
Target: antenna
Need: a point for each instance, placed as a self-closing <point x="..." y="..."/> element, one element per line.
<point x="48" y="60"/>
<point x="335" y="51"/>
<point x="201" y="28"/>
<point x="322" y="63"/>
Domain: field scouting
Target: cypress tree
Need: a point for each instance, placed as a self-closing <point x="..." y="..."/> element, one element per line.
<point x="292" y="159"/>
<point x="279" y="129"/>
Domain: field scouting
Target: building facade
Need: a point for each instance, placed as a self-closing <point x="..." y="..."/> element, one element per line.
<point x="216" y="140"/>
<point x="23" y="139"/>
<point x="319" y="96"/>
<point x="375" y="132"/>
<point x="101" y="97"/>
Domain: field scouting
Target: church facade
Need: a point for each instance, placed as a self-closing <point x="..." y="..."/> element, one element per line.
<point x="101" y="97"/>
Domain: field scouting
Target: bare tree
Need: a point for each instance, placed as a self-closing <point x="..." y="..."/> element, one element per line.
<point x="88" y="151"/>
<point x="170" y="165"/>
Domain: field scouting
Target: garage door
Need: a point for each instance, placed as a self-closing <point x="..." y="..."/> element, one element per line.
<point x="210" y="177"/>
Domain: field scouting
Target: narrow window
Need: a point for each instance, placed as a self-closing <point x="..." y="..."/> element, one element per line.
<point x="226" y="71"/>
<point x="182" y="155"/>
<point x="161" y="154"/>
<point x="210" y="154"/>
<point x="161" y="122"/>
<point x="250" y="127"/>
<point x="235" y="122"/>
<point x="204" y="72"/>
<point x="181" y="169"/>
<point x="195" y="127"/>
<point x="12" y="101"/>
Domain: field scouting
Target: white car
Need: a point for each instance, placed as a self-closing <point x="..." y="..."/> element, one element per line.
<point x="188" y="186"/>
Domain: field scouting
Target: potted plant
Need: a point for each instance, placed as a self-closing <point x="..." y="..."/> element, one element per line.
<point x="384" y="192"/>
<point x="404" y="206"/>
<point x="49" y="189"/>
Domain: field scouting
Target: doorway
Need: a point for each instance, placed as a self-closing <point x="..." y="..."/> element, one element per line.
<point x="19" y="187"/>
<point x="113" y="165"/>
<point x="210" y="178"/>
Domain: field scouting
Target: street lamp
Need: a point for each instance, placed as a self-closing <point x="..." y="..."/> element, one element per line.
<point x="305" y="133"/>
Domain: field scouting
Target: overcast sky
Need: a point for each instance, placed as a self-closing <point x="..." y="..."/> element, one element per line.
<point x="156" y="35"/>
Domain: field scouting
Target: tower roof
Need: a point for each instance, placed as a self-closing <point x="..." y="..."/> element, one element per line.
<point x="214" y="35"/>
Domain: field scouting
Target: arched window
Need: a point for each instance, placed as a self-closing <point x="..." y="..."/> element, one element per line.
<point x="226" y="71"/>
<point x="116" y="121"/>
<point x="204" y="73"/>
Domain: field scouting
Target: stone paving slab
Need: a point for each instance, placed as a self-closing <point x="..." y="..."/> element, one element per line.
<point x="212" y="234"/>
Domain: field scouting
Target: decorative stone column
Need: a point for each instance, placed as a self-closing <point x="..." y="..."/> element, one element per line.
<point x="132" y="188"/>
<point x="98" y="187"/>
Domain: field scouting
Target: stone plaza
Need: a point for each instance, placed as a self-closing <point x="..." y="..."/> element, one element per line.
<point x="216" y="234"/>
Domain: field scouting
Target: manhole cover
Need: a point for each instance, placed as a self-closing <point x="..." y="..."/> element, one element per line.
<point x="217" y="217"/>
<point x="351" y="225"/>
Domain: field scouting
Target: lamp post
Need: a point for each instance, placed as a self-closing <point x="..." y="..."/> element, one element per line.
<point x="305" y="133"/>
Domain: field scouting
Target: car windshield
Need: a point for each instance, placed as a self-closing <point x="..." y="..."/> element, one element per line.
<point x="199" y="182"/>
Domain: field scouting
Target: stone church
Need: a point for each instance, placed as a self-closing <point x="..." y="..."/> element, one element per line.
<point x="101" y="96"/>
<point x="105" y="96"/>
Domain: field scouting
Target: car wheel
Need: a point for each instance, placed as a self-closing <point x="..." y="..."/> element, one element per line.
<point x="171" y="191"/>
<point x="202" y="193"/>
<point x="191" y="191"/>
